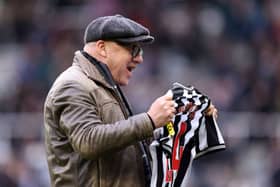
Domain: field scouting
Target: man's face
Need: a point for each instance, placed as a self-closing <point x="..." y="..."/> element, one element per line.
<point x="121" y="61"/>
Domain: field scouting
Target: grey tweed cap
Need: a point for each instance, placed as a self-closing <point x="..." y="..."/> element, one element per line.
<point x="117" y="28"/>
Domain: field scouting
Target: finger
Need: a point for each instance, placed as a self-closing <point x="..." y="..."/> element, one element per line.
<point x="210" y="110"/>
<point x="171" y="103"/>
<point x="210" y="107"/>
<point x="173" y="111"/>
<point x="215" y="114"/>
<point x="171" y="116"/>
<point x="168" y="95"/>
<point x="174" y="104"/>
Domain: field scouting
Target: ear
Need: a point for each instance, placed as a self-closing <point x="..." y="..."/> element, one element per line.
<point x="100" y="44"/>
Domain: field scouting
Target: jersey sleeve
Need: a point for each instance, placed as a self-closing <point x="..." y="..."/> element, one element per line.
<point x="208" y="137"/>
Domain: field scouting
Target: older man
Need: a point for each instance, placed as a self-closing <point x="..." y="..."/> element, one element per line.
<point x="92" y="137"/>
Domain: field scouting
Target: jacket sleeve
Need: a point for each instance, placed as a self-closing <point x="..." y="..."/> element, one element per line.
<point x="79" y="118"/>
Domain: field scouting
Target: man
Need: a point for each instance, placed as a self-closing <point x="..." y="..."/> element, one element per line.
<point x="92" y="138"/>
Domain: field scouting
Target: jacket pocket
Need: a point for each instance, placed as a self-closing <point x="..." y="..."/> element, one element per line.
<point x="111" y="112"/>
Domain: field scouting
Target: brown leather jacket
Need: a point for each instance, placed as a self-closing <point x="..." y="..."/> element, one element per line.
<point x="90" y="139"/>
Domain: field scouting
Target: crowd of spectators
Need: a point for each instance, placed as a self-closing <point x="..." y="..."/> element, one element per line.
<point x="229" y="49"/>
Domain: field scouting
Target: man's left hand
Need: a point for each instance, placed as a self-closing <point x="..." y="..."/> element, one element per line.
<point x="211" y="110"/>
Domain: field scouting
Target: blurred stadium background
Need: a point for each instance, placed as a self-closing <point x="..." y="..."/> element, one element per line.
<point x="229" y="49"/>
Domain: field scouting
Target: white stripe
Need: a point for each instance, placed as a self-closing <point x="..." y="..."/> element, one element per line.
<point x="164" y="166"/>
<point x="154" y="178"/>
<point x="220" y="137"/>
<point x="194" y="124"/>
<point x="202" y="134"/>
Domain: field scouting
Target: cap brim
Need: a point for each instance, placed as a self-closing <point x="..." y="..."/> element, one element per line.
<point x="139" y="39"/>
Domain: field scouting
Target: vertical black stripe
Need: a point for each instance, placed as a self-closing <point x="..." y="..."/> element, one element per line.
<point x="185" y="163"/>
<point x="196" y="137"/>
<point x="212" y="136"/>
<point x="176" y="123"/>
<point x="160" y="167"/>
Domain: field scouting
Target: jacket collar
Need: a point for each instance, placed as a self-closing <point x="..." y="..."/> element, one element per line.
<point x="90" y="68"/>
<point x="99" y="72"/>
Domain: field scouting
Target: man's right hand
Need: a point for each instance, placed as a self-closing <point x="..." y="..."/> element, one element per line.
<point x="162" y="110"/>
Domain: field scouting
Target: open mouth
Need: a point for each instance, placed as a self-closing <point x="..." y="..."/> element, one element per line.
<point x="130" y="69"/>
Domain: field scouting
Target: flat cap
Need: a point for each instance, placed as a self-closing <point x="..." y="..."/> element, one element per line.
<point x="117" y="28"/>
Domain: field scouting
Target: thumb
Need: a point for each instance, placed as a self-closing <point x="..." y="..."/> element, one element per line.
<point x="169" y="94"/>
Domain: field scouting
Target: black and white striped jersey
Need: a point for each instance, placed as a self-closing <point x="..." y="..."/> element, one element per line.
<point x="195" y="135"/>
